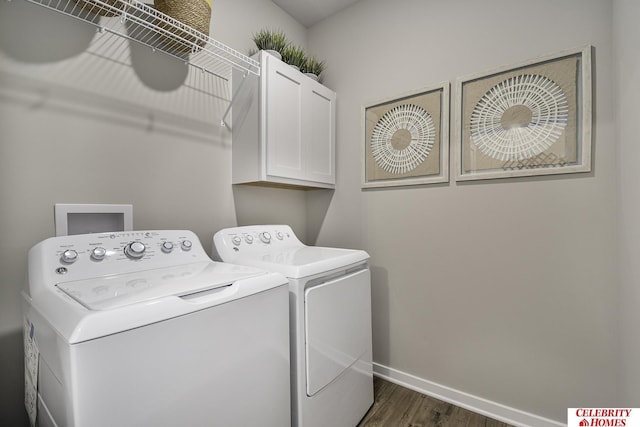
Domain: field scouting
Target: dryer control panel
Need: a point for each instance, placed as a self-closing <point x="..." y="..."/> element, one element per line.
<point x="253" y="239"/>
<point x="86" y="256"/>
<point x="276" y="248"/>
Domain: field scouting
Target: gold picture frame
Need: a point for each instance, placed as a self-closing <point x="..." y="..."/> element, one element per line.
<point x="406" y="139"/>
<point x="533" y="118"/>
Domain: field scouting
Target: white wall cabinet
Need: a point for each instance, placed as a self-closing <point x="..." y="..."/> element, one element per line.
<point x="283" y="128"/>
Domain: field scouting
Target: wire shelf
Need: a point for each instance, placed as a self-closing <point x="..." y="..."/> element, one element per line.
<point x="142" y="23"/>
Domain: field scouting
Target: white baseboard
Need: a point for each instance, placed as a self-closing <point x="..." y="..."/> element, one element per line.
<point x="464" y="400"/>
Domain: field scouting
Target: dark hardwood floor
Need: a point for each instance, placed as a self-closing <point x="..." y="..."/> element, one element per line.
<point x="396" y="406"/>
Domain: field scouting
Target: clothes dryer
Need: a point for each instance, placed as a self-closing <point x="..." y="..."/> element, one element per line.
<point x="330" y="316"/>
<point x="144" y="329"/>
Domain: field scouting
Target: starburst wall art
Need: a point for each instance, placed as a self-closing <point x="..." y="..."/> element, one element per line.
<point x="406" y="139"/>
<point x="529" y="119"/>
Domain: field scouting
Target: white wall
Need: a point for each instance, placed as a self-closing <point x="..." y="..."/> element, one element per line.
<point x="504" y="289"/>
<point x="627" y="76"/>
<point x="507" y="290"/>
<point x="60" y="145"/>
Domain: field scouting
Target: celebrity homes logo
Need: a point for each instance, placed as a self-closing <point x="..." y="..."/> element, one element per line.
<point x="603" y="417"/>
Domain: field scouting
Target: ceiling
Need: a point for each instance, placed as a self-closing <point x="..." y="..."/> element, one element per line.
<point x="309" y="12"/>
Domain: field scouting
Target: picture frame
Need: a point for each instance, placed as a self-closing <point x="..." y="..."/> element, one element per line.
<point x="405" y="139"/>
<point x="532" y="118"/>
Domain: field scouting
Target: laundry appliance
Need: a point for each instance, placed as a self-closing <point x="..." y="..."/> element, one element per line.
<point x="142" y="328"/>
<point x="330" y="316"/>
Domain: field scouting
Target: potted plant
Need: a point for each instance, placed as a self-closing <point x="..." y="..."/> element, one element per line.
<point x="314" y="68"/>
<point x="294" y="56"/>
<point x="271" y="41"/>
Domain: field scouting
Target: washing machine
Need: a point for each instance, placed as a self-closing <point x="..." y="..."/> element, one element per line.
<point x="330" y="316"/>
<point x="142" y="328"/>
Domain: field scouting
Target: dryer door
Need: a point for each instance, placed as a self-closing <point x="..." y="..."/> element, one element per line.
<point x="337" y="327"/>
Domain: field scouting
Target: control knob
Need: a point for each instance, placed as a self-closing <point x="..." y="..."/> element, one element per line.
<point x="98" y="253"/>
<point x="236" y="240"/>
<point x="69" y="256"/>
<point x="265" y="237"/>
<point x="166" y="247"/>
<point x="135" y="250"/>
<point x="186" y="245"/>
<point x="279" y="235"/>
<point x="248" y="238"/>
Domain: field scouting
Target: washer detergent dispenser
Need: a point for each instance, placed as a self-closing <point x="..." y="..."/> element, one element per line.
<point x="330" y="306"/>
<point x="142" y="328"/>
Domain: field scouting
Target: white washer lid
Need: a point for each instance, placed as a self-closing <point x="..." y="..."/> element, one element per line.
<point x="110" y="292"/>
<point x="298" y="262"/>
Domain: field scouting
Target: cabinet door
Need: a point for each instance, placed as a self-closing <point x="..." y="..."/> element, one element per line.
<point x="319" y="150"/>
<point x="283" y="120"/>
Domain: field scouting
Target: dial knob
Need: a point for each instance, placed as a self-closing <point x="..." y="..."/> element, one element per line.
<point x="236" y="240"/>
<point x="98" y="253"/>
<point x="248" y="239"/>
<point x="186" y="245"/>
<point x="69" y="256"/>
<point x="265" y="237"/>
<point x="279" y="235"/>
<point x="166" y="247"/>
<point x="135" y="250"/>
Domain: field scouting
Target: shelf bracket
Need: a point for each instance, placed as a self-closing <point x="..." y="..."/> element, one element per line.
<point x="223" y="122"/>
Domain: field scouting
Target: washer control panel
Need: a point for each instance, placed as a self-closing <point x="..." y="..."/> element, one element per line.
<point x="92" y="255"/>
<point x="253" y="239"/>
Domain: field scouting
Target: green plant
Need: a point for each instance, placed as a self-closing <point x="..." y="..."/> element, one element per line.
<point x="266" y="39"/>
<point x="294" y="55"/>
<point x="314" y="66"/>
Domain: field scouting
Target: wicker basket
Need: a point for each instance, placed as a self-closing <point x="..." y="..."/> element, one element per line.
<point x="98" y="9"/>
<point x="193" y="13"/>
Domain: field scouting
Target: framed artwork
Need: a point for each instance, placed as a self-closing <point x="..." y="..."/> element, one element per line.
<point x="529" y="119"/>
<point x="406" y="139"/>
